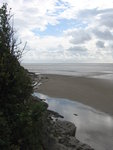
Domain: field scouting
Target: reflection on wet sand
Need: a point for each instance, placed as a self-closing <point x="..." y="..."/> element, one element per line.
<point x="93" y="127"/>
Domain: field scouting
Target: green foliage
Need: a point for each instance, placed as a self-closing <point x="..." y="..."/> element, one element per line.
<point x="21" y="118"/>
<point x="4" y="133"/>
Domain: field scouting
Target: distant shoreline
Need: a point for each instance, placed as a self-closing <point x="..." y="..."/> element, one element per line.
<point x="89" y="70"/>
<point x="97" y="93"/>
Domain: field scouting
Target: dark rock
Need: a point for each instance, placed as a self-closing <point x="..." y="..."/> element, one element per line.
<point x="55" y="114"/>
<point x="75" y="114"/>
<point x="65" y="128"/>
<point x="36" y="99"/>
<point x="63" y="137"/>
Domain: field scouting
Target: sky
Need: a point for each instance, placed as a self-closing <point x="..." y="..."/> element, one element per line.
<point x="71" y="31"/>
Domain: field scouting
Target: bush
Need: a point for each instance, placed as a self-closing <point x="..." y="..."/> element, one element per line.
<point x="21" y="119"/>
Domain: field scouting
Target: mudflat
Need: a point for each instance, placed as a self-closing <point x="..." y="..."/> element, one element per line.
<point x="97" y="93"/>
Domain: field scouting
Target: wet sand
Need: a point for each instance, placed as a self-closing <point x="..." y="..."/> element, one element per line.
<point x="97" y="93"/>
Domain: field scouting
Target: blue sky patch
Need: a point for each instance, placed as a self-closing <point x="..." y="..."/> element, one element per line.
<point x="57" y="30"/>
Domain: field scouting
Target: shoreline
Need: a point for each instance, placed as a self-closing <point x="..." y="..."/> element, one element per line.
<point x="97" y="93"/>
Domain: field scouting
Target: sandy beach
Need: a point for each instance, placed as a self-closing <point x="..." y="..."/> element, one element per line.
<point x="97" y="93"/>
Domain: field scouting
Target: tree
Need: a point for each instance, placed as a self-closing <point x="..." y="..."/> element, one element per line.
<point x="21" y="118"/>
<point x="8" y="42"/>
<point x="14" y="80"/>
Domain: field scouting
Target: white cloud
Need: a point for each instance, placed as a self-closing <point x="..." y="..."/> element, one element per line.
<point x="78" y="50"/>
<point x="104" y="35"/>
<point x="82" y="42"/>
<point x="79" y="36"/>
<point x="100" y="44"/>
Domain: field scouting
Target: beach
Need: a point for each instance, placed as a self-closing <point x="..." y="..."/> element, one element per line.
<point x="97" y="93"/>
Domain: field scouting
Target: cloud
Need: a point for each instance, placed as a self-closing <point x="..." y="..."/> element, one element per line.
<point x="105" y="19"/>
<point x="87" y="26"/>
<point x="79" y="36"/>
<point x="86" y="13"/>
<point x="104" y="35"/>
<point x="78" y="50"/>
<point x="34" y="14"/>
<point x="100" y="44"/>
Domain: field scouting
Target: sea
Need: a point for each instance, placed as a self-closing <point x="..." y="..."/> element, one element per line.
<point x="91" y="70"/>
<point x="94" y="128"/>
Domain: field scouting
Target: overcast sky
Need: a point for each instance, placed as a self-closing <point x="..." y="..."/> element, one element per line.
<point x="64" y="30"/>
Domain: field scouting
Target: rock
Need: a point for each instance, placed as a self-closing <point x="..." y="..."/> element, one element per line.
<point x="59" y="134"/>
<point x="63" y="137"/>
<point x="54" y="114"/>
<point x="74" y="144"/>
<point x="38" y="100"/>
<point x="75" y="114"/>
<point x="65" y="128"/>
<point x="58" y="146"/>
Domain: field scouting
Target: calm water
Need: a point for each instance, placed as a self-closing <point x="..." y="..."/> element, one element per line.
<point x="78" y="69"/>
<point x="93" y="127"/>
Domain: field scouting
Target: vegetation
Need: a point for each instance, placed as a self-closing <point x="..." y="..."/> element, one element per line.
<point x="21" y="122"/>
